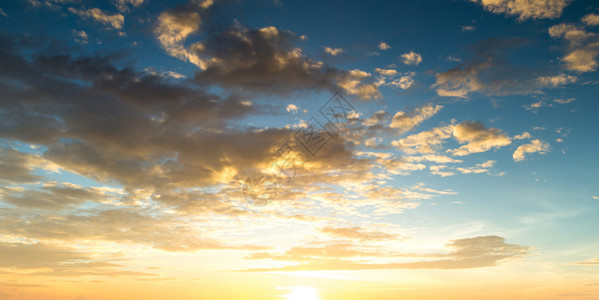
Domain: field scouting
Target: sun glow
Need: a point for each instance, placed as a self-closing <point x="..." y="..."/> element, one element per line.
<point x="301" y="293"/>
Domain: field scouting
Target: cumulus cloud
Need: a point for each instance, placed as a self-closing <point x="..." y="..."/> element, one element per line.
<point x="292" y="108"/>
<point x="173" y="28"/>
<point x="525" y="9"/>
<point x="582" y="46"/>
<point x="477" y="138"/>
<point x="386" y="72"/>
<point x="591" y="19"/>
<point x="404" y="122"/>
<point x="535" y="146"/>
<point x="265" y="60"/>
<point x="411" y="58"/>
<point x="424" y="142"/>
<point x="333" y="51"/>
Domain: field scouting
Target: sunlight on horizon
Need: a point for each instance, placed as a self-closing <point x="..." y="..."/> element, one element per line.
<point x="285" y="149"/>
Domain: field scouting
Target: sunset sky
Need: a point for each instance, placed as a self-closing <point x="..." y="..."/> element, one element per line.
<point x="277" y="149"/>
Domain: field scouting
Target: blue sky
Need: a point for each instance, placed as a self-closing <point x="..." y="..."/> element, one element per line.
<point x="139" y="139"/>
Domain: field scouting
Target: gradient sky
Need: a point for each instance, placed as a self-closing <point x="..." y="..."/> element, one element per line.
<point x="183" y="149"/>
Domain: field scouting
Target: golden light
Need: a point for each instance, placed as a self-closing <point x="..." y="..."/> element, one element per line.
<point x="301" y="293"/>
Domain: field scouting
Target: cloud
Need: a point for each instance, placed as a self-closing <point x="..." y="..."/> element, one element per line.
<point x="292" y="108"/>
<point x="411" y="58"/>
<point x="557" y="80"/>
<point x="41" y="259"/>
<point x="333" y="51"/>
<point x="266" y="60"/>
<point x="467" y="28"/>
<point x="352" y="83"/>
<point x="477" y="138"/>
<point x="591" y="19"/>
<point x="386" y="72"/>
<point x="387" y="77"/>
<point x="114" y="21"/>
<point x="433" y="158"/>
<point x="535" y="146"/>
<point x="123" y="5"/>
<point x="487" y="72"/>
<point x="589" y="262"/>
<point x="437" y="170"/>
<point x="16" y="167"/>
<point x="583" y="47"/>
<point x="467" y="253"/>
<point x="50" y="197"/>
<point x="173" y="28"/>
<point x="384" y="46"/>
<point x="478" y="169"/>
<point x="424" y="142"/>
<point x="525" y="9"/>
<point x="564" y="101"/>
<point x="404" y="122"/>
<point x="523" y="136"/>
<point x="357" y="233"/>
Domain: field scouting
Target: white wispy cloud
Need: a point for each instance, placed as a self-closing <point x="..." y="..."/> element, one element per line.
<point x="114" y="21"/>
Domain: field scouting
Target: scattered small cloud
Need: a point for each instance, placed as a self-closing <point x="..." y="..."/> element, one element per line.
<point x="292" y="108"/>
<point x="523" y="136"/>
<point x="591" y="19"/>
<point x="564" y="101"/>
<point x="404" y="122"/>
<point x="555" y="81"/>
<point x="467" y="28"/>
<point x="453" y="59"/>
<point x="386" y="72"/>
<point x="384" y="46"/>
<point x="80" y="36"/>
<point x="411" y="58"/>
<point x="114" y="21"/>
<point x="333" y="51"/>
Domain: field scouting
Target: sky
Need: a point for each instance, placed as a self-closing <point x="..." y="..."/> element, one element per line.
<point x="206" y="149"/>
